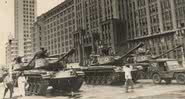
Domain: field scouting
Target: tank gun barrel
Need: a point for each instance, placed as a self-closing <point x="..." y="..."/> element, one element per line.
<point x="66" y="55"/>
<point x="130" y="51"/>
<point x="60" y="59"/>
<point x="167" y="52"/>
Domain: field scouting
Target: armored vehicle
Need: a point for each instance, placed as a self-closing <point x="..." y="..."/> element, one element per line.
<point x="157" y="69"/>
<point x="52" y="73"/>
<point x="107" y="69"/>
<point x="167" y="70"/>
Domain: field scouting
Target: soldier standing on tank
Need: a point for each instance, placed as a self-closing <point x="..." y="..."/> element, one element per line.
<point x="40" y="57"/>
<point x="128" y="78"/>
<point x="41" y="54"/>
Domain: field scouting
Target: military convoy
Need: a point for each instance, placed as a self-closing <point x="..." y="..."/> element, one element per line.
<point x="54" y="74"/>
<point x="103" y="70"/>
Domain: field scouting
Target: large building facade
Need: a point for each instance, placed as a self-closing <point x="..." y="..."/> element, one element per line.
<point x="82" y="24"/>
<point x="157" y="23"/>
<point x="53" y="29"/>
<point x="100" y="23"/>
<point x="25" y="16"/>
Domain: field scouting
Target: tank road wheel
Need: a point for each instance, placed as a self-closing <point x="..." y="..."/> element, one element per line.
<point x="168" y="80"/>
<point x="43" y="87"/>
<point x="180" y="78"/>
<point x="87" y="80"/>
<point x="103" y="80"/>
<point x="34" y="88"/>
<point x="37" y="86"/>
<point x="156" y="79"/>
<point x="92" y="79"/>
<point x="29" y="90"/>
<point x="98" y="80"/>
<point x="109" y="80"/>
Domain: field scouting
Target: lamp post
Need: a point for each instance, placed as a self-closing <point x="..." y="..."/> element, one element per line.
<point x="10" y="44"/>
<point x="180" y="33"/>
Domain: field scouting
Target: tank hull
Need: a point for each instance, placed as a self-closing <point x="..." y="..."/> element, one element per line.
<point x="39" y="80"/>
<point x="67" y="84"/>
<point x="106" y="75"/>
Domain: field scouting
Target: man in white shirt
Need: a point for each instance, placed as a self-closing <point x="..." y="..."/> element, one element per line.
<point x="128" y="77"/>
<point x="21" y="84"/>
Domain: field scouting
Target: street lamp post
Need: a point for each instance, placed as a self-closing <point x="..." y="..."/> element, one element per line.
<point x="10" y="44"/>
<point x="180" y="33"/>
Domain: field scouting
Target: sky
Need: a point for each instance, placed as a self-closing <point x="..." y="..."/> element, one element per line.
<point x="7" y="20"/>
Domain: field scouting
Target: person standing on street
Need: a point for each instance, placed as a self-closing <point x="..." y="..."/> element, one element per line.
<point x="128" y="78"/>
<point x="21" y="84"/>
<point x="9" y="85"/>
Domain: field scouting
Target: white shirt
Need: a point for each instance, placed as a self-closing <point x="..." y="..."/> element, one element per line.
<point x="21" y="79"/>
<point x="127" y="71"/>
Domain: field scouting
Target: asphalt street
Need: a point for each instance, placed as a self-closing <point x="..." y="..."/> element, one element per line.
<point x="143" y="90"/>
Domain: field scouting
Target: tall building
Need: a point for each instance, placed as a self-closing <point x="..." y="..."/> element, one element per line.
<point x="157" y="23"/>
<point x="53" y="29"/>
<point x="11" y="51"/>
<point x="100" y="24"/>
<point x="25" y="16"/>
<point x="83" y="24"/>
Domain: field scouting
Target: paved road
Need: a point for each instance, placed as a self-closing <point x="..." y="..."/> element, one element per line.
<point x="143" y="90"/>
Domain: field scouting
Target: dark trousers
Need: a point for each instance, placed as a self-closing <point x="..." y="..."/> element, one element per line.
<point x="128" y="83"/>
<point x="10" y="87"/>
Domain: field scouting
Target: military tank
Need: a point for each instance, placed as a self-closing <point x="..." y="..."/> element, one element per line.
<point x="107" y="69"/>
<point x="53" y="73"/>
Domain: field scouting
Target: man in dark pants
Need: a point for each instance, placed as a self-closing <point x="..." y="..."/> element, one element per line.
<point x="9" y="85"/>
<point x="128" y="77"/>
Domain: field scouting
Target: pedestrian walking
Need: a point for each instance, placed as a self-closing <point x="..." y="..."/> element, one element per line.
<point x="8" y="84"/>
<point x="128" y="78"/>
<point x="21" y="84"/>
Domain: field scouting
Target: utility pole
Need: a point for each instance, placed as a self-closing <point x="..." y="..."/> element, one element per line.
<point x="10" y="44"/>
<point x="182" y="51"/>
<point x="180" y="33"/>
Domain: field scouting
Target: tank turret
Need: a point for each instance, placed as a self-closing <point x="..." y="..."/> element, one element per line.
<point x="107" y="59"/>
<point x="143" y="55"/>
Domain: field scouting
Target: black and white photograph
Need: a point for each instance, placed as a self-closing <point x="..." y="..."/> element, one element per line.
<point x="92" y="49"/>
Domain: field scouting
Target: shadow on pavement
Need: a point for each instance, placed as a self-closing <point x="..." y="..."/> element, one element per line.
<point x="15" y="97"/>
<point x="70" y="95"/>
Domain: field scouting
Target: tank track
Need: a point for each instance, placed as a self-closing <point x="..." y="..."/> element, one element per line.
<point x="103" y="79"/>
<point x="37" y="86"/>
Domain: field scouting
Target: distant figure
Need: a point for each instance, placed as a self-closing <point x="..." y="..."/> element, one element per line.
<point x="9" y="85"/>
<point x="41" y="54"/>
<point x="40" y="58"/>
<point x="18" y="63"/>
<point x="21" y="84"/>
<point x="128" y="77"/>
